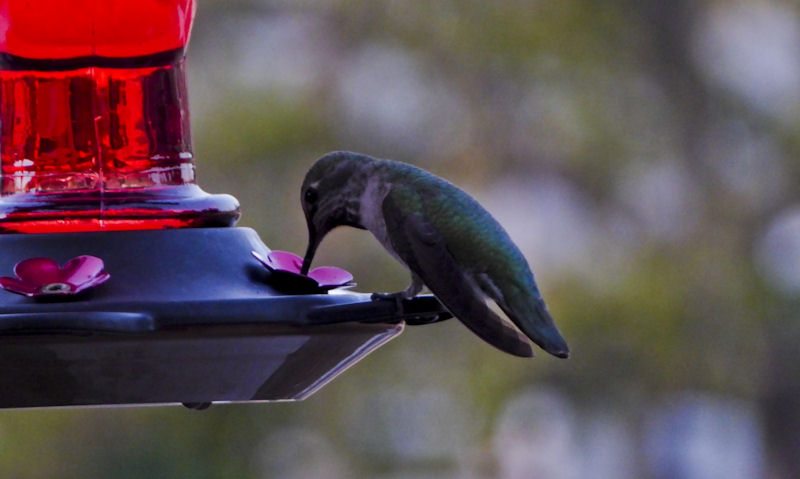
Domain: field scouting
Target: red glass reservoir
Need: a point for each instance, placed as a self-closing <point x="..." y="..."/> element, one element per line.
<point x="94" y="131"/>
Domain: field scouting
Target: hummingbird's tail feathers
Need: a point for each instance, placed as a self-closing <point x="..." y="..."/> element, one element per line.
<point x="490" y="327"/>
<point x="437" y="268"/>
<point x="532" y="317"/>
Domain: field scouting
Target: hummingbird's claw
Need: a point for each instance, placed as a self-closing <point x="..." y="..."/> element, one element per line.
<point x="398" y="299"/>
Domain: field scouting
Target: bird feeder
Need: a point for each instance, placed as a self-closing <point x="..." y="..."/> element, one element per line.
<point x="135" y="286"/>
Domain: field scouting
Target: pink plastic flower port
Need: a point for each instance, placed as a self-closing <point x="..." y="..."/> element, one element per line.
<point x="42" y="277"/>
<point x="285" y="269"/>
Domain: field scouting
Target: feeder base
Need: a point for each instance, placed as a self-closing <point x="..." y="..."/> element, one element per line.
<point x="188" y="316"/>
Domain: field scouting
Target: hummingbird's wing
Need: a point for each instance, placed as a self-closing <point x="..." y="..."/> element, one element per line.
<point x="425" y="253"/>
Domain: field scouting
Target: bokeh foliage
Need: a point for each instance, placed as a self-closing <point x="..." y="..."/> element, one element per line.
<point x="637" y="182"/>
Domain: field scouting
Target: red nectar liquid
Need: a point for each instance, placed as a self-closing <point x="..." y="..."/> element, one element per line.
<point x="94" y="118"/>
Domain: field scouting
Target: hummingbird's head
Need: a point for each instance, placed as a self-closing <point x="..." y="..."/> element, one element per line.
<point x="330" y="196"/>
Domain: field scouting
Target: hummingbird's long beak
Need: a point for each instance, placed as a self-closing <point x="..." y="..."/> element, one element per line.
<point x="313" y="243"/>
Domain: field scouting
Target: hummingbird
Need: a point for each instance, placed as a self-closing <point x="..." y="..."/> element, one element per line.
<point x="445" y="238"/>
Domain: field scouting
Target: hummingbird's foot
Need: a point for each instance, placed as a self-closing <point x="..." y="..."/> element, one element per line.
<point x="398" y="299"/>
<point x="197" y="406"/>
<point x="412" y="290"/>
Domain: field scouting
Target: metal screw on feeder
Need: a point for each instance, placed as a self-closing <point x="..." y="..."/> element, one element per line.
<point x="96" y="161"/>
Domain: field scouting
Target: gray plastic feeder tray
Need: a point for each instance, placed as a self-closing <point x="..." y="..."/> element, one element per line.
<point x="188" y="316"/>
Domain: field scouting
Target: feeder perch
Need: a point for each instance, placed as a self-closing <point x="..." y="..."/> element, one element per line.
<point x="175" y="306"/>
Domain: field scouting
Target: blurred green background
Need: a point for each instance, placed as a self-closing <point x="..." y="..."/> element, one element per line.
<point x="643" y="154"/>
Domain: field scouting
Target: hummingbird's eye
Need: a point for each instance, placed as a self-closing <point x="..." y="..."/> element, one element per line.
<point x="311" y="196"/>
